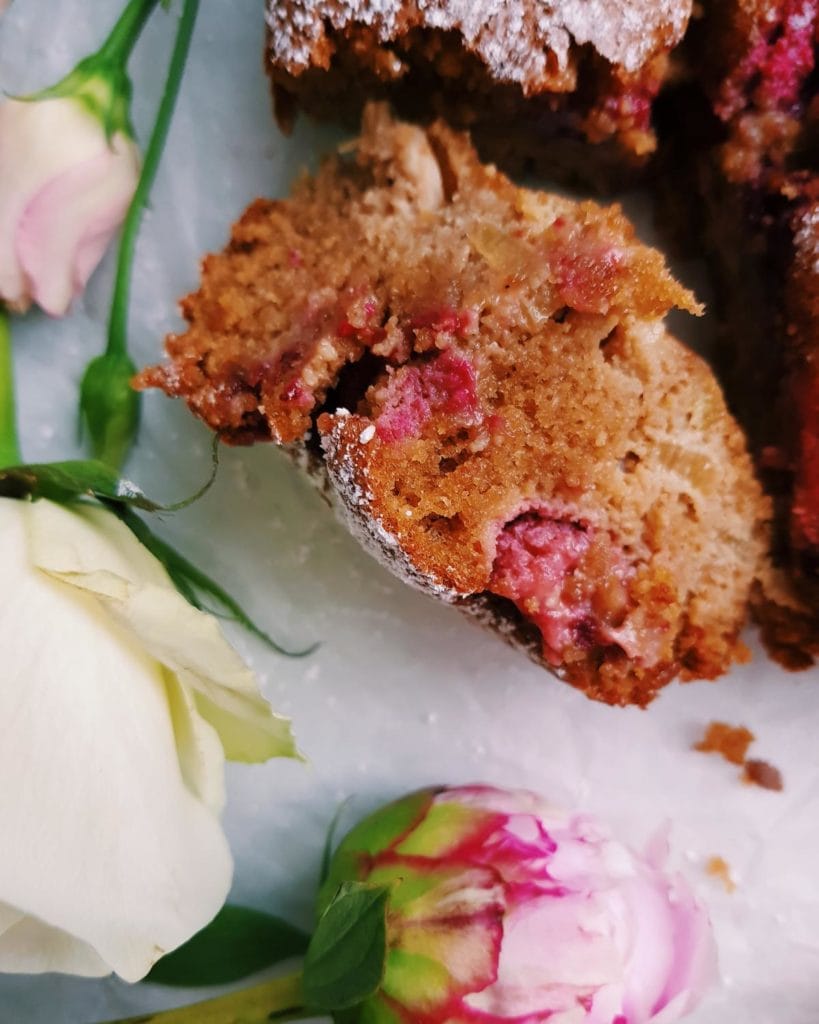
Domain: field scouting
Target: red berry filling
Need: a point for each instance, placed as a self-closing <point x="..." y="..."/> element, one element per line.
<point x="550" y="569"/>
<point x="445" y="384"/>
<point x="772" y="73"/>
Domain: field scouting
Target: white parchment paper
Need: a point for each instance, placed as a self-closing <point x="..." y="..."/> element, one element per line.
<point x="403" y="691"/>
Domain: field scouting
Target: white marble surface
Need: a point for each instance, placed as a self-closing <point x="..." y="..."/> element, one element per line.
<point x="403" y="692"/>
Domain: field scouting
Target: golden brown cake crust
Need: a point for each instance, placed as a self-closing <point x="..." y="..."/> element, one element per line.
<point x="486" y="371"/>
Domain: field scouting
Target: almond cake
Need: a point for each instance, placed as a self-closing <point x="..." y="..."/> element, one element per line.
<point x="483" y="374"/>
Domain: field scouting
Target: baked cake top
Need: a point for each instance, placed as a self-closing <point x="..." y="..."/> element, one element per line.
<point x="392" y="243"/>
<point x="522" y="41"/>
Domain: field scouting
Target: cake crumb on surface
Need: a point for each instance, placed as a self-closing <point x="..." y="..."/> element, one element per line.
<point x="719" y="868"/>
<point x="763" y="774"/>
<point x="730" y="741"/>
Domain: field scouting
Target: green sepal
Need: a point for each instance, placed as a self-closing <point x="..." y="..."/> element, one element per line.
<point x="102" y="87"/>
<point x="109" y="407"/>
<point x="445" y="827"/>
<point x="415" y="980"/>
<point x="372" y="836"/>
<point x="238" y="942"/>
<point x="100" y="81"/>
<point x="347" y="955"/>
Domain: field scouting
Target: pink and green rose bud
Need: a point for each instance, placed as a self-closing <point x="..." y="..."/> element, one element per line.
<point x="503" y="908"/>
<point x="69" y="168"/>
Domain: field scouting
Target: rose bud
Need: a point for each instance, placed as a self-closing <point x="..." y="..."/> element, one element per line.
<point x="69" y="168"/>
<point x="109" y="407"/>
<point x="119" y="702"/>
<point x="65" y="186"/>
<point x="503" y="908"/>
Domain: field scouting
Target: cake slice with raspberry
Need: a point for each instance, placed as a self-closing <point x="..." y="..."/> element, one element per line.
<point x="484" y="375"/>
<point x="567" y="86"/>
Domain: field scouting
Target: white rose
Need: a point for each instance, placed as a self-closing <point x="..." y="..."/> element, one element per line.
<point x="118" y="704"/>
<point x="64" y="191"/>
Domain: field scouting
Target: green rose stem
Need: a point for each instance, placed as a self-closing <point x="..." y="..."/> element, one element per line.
<point x="118" y="46"/>
<point x="118" y="322"/>
<point x="9" y="445"/>
<point x="109" y="407"/>
<point x="277" y="1000"/>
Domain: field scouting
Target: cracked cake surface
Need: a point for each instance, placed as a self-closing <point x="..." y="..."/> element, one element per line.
<point x="484" y="372"/>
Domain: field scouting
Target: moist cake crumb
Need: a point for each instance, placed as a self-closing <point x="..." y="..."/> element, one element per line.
<point x="732" y="742"/>
<point x="483" y="374"/>
<point x="719" y="868"/>
<point x="760" y="773"/>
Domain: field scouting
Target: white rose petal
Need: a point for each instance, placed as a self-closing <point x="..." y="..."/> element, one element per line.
<point x="112" y="849"/>
<point x="93" y="551"/>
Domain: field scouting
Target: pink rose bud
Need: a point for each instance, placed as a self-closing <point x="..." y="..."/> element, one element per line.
<point x="64" y="190"/>
<point x="503" y="908"/>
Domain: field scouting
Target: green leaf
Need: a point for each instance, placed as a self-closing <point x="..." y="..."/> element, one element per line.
<point x="346" y="957"/>
<point x="88" y="478"/>
<point x="66" y="481"/>
<point x="239" y="941"/>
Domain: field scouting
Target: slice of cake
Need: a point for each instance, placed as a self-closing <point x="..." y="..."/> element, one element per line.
<point x="755" y="62"/>
<point x="565" y="86"/>
<point x="485" y="376"/>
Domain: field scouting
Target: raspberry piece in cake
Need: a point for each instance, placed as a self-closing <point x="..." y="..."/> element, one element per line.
<point x="542" y="565"/>
<point x="758" y="59"/>
<point x="567" y="86"/>
<point x="501" y="414"/>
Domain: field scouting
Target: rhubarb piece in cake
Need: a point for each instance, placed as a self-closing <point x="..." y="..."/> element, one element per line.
<point x="485" y="375"/>
<point x="567" y="86"/>
<point x="755" y="62"/>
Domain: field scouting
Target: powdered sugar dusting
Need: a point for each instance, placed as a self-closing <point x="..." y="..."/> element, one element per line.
<point x="806" y="238"/>
<point x="517" y="40"/>
<point x="353" y="503"/>
<point x="336" y="480"/>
